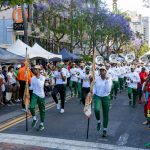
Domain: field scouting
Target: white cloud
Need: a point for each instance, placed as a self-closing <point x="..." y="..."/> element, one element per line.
<point x="133" y="5"/>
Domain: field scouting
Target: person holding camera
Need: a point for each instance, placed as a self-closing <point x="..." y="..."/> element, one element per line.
<point x="60" y="81"/>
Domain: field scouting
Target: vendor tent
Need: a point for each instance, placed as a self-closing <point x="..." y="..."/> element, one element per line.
<point x="41" y="52"/>
<point x="19" y="48"/>
<point x="66" y="55"/>
<point x="7" y="57"/>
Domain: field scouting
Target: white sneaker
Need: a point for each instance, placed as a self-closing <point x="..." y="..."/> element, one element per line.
<point x="62" y="111"/>
<point x="18" y="100"/>
<point x="58" y="106"/>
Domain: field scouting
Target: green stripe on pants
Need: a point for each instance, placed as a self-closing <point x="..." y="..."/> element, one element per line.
<point x="41" y="104"/>
<point x="104" y="101"/>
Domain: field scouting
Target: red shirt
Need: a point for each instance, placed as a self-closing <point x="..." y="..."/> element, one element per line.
<point x="143" y="77"/>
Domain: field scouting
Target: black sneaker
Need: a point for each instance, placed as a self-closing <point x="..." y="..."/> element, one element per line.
<point x="104" y="134"/>
<point x="98" y="126"/>
<point x="34" y="122"/>
<point x="41" y="127"/>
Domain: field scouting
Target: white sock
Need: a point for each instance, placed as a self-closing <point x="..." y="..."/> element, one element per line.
<point x="98" y="121"/>
<point x="105" y="129"/>
<point x="34" y="117"/>
<point x="41" y="123"/>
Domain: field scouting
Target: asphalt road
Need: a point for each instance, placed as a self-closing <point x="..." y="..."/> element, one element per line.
<point x="125" y="125"/>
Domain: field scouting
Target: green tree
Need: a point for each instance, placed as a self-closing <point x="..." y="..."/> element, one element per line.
<point x="143" y="49"/>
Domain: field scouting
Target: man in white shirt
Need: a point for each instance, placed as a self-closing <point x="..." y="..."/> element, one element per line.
<point x="80" y="71"/>
<point x="64" y="69"/>
<point x="101" y="91"/>
<point x="60" y="80"/>
<point x="73" y="80"/>
<point x="38" y="97"/>
<point x="133" y="79"/>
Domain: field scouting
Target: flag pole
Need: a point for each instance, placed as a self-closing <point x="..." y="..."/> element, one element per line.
<point x="88" y="101"/>
<point x="26" y="92"/>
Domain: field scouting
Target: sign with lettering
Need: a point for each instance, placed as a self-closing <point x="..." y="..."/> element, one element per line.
<point x="18" y="26"/>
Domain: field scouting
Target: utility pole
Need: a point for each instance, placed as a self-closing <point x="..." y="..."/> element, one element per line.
<point x="25" y="24"/>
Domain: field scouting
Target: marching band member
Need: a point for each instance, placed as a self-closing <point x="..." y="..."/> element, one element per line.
<point x="80" y="71"/>
<point x="60" y="80"/>
<point x="133" y="79"/>
<point x="38" y="97"/>
<point x="64" y="68"/>
<point x="101" y="91"/>
<point x="115" y="73"/>
<point x="121" y="78"/>
<point x="86" y="83"/>
<point x="73" y="80"/>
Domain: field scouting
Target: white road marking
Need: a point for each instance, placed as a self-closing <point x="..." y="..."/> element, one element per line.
<point x="123" y="139"/>
<point x="58" y="143"/>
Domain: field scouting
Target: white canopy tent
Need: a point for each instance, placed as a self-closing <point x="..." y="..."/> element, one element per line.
<point x="44" y="53"/>
<point x="19" y="48"/>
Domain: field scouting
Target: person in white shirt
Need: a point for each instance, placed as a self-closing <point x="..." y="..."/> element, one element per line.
<point x="60" y="80"/>
<point x="73" y="84"/>
<point x="133" y="79"/>
<point x="11" y="82"/>
<point x="38" y="97"/>
<point x="101" y="91"/>
<point x="64" y="69"/>
<point x="86" y="79"/>
<point x="80" y="71"/>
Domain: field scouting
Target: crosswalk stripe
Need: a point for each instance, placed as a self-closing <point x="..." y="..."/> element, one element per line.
<point x="56" y="143"/>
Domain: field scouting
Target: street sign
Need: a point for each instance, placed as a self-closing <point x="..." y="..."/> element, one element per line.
<point x="18" y="26"/>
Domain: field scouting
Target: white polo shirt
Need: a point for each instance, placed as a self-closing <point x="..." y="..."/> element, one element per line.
<point x="37" y="85"/>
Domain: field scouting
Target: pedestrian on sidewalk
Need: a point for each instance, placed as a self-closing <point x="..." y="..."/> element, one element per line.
<point x="60" y="82"/>
<point x="38" y="97"/>
<point x="101" y="91"/>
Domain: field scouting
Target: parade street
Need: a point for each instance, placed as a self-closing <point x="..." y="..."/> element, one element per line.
<point x="68" y="130"/>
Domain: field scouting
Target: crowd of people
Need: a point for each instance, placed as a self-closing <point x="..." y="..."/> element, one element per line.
<point x="109" y="80"/>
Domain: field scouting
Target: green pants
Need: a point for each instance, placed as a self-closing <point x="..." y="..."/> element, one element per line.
<point x="41" y="104"/>
<point x="73" y="85"/>
<point x="79" y="90"/>
<point x="121" y="81"/>
<point x="114" y="89"/>
<point x="104" y="101"/>
<point x="133" y="92"/>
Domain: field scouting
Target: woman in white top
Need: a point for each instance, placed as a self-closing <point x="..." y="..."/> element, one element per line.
<point x="101" y="91"/>
<point x="11" y="81"/>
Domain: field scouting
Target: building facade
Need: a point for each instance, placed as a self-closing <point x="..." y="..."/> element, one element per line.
<point x="6" y="27"/>
<point x="140" y="25"/>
